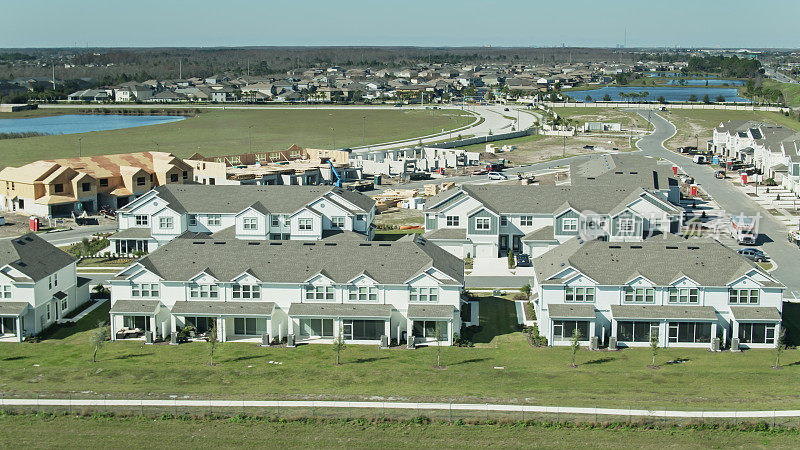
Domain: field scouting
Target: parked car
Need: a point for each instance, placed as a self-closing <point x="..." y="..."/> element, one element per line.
<point x="398" y="105"/>
<point x="497" y="176"/>
<point x="700" y="159"/>
<point x="753" y="254"/>
<point x="505" y="109"/>
<point x="523" y="260"/>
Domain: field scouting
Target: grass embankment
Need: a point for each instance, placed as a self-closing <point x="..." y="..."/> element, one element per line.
<point x="224" y="132"/>
<point x="791" y="91"/>
<point x="515" y="141"/>
<point x="691" y="122"/>
<point x="43" y="431"/>
<point x="704" y="381"/>
<point x="612" y="115"/>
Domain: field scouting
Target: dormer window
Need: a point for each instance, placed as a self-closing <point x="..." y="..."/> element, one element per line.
<point x="743" y="296"/>
<point x="424" y="294"/>
<point x="363" y="294"/>
<point x="203" y="291"/>
<point x="58" y="188"/>
<point x="319" y="293"/>
<point x="639" y="295"/>
<point x="246" y="291"/>
<point x="684" y="295"/>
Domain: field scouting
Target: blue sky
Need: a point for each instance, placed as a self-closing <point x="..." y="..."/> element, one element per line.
<point x="206" y="23"/>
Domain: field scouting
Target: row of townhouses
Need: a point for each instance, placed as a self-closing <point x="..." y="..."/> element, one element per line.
<point x="242" y="212"/>
<point x="687" y="293"/>
<point x="38" y="286"/>
<point x="608" y="200"/>
<point x="773" y="149"/>
<point x="300" y="291"/>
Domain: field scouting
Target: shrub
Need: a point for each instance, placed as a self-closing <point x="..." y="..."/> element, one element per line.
<point x="534" y="338"/>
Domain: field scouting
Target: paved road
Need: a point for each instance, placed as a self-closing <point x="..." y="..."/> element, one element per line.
<point x="77" y="234"/>
<point x="773" y="240"/>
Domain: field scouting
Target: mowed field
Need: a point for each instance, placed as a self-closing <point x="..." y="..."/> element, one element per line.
<point x="223" y="132"/>
<point x="28" y="431"/>
<point x="701" y="123"/>
<point x="502" y="368"/>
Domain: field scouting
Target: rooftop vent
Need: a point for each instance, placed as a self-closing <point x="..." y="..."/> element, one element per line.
<point x="619" y="172"/>
<point x="634" y="173"/>
<point x="636" y="246"/>
<point x="384" y="245"/>
<point x="219" y="242"/>
<point x="365" y="245"/>
<point x="276" y="243"/>
<point x="254" y="243"/>
<point x="198" y="242"/>
<point x="330" y="244"/>
<point x="692" y="247"/>
<point x="21" y="264"/>
<point x="614" y="246"/>
<point x="672" y="247"/>
<point x="309" y="243"/>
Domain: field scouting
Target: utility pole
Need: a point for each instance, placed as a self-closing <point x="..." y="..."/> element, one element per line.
<point x="180" y="69"/>
<point x="250" y="139"/>
<point x="154" y="142"/>
<point x="364" y="131"/>
<point x="333" y="139"/>
<point x="564" y="153"/>
<point x="54" y="76"/>
<point x="80" y="150"/>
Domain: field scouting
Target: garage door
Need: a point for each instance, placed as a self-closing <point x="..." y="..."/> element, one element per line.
<point x="455" y="249"/>
<point x="485" y="251"/>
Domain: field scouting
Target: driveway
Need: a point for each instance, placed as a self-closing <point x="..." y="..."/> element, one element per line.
<point x="734" y="201"/>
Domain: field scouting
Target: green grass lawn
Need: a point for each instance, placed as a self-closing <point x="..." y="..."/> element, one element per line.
<point x="28" y="431"/>
<point x="224" y="132"/>
<point x="533" y="375"/>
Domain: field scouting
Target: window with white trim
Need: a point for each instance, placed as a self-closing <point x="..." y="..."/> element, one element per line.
<point x="363" y="294"/>
<point x="55" y="279"/>
<point x="526" y="221"/>
<point x="743" y="296"/>
<point x="482" y="223"/>
<point x="165" y="223"/>
<point x="192" y="220"/>
<point x="214" y="220"/>
<point x="246" y="291"/>
<point x="626" y="226"/>
<point x="452" y="221"/>
<point x="203" y="291"/>
<point x="337" y="221"/>
<point x="250" y="223"/>
<point x="319" y="293"/>
<point x="5" y="291"/>
<point x="579" y="294"/>
<point x="304" y="224"/>
<point x="569" y="224"/>
<point x="756" y="333"/>
<point x="424" y="294"/>
<point x="276" y="221"/>
<point x="503" y="221"/>
<point x="684" y="295"/>
<point x="144" y="290"/>
<point x="142" y="220"/>
<point x="64" y="304"/>
<point x="639" y="295"/>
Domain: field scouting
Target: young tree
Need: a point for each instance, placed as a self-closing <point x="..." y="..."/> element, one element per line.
<point x="780" y="347"/>
<point x="98" y="339"/>
<point x="511" y="260"/>
<point x="661" y="99"/>
<point x="526" y="290"/>
<point x="339" y="346"/>
<point x="441" y="335"/>
<point x="654" y="347"/>
<point x="706" y="99"/>
<point x="213" y="340"/>
<point x="606" y="98"/>
<point x="588" y="98"/>
<point x="692" y="98"/>
<point x="575" y="345"/>
<point x="100" y="290"/>
<point x="720" y="98"/>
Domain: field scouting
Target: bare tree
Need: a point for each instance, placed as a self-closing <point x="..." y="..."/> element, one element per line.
<point x="441" y="335"/>
<point x="654" y="347"/>
<point x="780" y="346"/>
<point x="213" y="341"/>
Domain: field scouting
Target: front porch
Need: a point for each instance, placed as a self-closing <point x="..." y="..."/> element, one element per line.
<point x="12" y="324"/>
<point x="755" y="326"/>
<point x="564" y="320"/>
<point x="132" y="319"/>
<point x="431" y="323"/>
<point x="242" y="321"/>
<point x="675" y="326"/>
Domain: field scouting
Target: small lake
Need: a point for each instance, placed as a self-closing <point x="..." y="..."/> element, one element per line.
<point x="670" y="94"/>
<point x="80" y="123"/>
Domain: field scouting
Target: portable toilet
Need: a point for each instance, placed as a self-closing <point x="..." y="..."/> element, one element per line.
<point x="33" y="223"/>
<point x="376" y="180"/>
<point x="674" y="170"/>
<point x="744" y="178"/>
<point x="715" y="160"/>
<point x="693" y="190"/>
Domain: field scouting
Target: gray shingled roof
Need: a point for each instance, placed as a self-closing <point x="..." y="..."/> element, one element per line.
<point x="741" y="313"/>
<point x="12" y="308"/>
<point x="339" y="310"/>
<point x="430" y="311"/>
<point x="232" y="199"/>
<point x="133" y="233"/>
<point x="33" y="256"/>
<point x="148" y="307"/>
<point x="662" y="261"/>
<point x="622" y="170"/>
<point x="298" y="261"/>
<point x="537" y="199"/>
<point x="542" y="234"/>
<point x="447" y="233"/>
<point x="574" y="311"/>
<point x="250" y="308"/>
<point x="656" y="312"/>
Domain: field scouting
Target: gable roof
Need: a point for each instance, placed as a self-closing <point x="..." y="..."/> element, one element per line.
<point x="232" y="199"/>
<point x="660" y="260"/>
<point x="536" y="199"/>
<point x="298" y="261"/>
<point x="33" y="256"/>
<point x="623" y="170"/>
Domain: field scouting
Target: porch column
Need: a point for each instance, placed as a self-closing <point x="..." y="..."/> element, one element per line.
<point x="713" y="332"/>
<point x="450" y="332"/>
<point x="387" y="329"/>
<point x="592" y="330"/>
<point x="153" y="330"/>
<point x="220" y="328"/>
<point x="409" y="328"/>
<point x="112" y="326"/>
<point x="19" y="329"/>
<point x="735" y="330"/>
<point x="777" y="332"/>
<point x="172" y="324"/>
<point x="614" y="328"/>
<point x="291" y="325"/>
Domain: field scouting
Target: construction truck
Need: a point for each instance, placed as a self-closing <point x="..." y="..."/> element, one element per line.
<point x="743" y="229"/>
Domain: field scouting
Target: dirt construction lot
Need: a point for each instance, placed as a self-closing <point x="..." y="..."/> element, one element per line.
<point x="553" y="147"/>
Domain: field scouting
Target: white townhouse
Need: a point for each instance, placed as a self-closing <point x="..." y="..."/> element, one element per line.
<point x="38" y="286"/>
<point x="302" y="291"/>
<point x="245" y="212"/>
<point x="491" y="220"/>
<point x="686" y="292"/>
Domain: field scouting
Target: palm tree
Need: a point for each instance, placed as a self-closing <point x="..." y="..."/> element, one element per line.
<point x="623" y="96"/>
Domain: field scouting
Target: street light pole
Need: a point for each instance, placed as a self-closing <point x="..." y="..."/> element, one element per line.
<point x="154" y="142"/>
<point x="364" y="131"/>
<point x="79" y="147"/>
<point x="333" y="139"/>
<point x="250" y="139"/>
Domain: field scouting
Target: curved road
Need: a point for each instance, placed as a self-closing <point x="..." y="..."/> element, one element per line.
<point x="734" y="201"/>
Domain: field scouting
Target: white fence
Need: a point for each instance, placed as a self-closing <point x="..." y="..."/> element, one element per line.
<point x="736" y="107"/>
